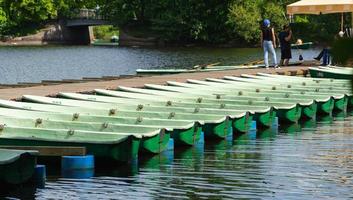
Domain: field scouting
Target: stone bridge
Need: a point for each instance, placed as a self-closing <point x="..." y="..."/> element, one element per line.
<point x="79" y="26"/>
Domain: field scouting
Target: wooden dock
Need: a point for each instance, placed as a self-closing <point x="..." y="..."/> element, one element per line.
<point x="89" y="84"/>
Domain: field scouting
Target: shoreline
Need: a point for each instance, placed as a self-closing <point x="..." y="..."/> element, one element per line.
<point x="45" y="44"/>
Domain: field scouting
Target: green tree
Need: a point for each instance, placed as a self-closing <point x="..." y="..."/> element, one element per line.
<point x="275" y="13"/>
<point x="179" y="21"/>
<point x="26" y="14"/>
<point x="244" y="17"/>
<point x="23" y="11"/>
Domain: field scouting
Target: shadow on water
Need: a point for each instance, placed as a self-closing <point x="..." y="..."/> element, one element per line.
<point x="24" y="191"/>
<point x="267" y="134"/>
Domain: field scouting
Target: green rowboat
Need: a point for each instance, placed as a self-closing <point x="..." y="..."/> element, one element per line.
<point x="330" y="73"/>
<point x="183" y="132"/>
<point x="297" y="85"/>
<point x="17" y="166"/>
<point x="121" y="148"/>
<point x="218" y="124"/>
<point x="306" y="45"/>
<point x="153" y="140"/>
<point x="313" y="79"/>
<point x="178" y="71"/>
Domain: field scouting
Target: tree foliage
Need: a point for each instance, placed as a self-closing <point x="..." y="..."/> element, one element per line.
<point x="342" y="51"/>
<point x="24" y="13"/>
<point x="207" y="21"/>
<point x="244" y="18"/>
<point x="16" y="16"/>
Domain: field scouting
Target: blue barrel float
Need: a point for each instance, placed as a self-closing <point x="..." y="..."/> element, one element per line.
<point x="78" y="167"/>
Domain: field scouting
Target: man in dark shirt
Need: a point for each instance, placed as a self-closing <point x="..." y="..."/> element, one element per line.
<point x="285" y="37"/>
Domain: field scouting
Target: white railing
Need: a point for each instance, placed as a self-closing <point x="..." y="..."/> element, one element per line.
<point x="87" y="14"/>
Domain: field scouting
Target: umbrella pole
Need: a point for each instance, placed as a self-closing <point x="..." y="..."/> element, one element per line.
<point x="342" y="19"/>
<point x="351" y="30"/>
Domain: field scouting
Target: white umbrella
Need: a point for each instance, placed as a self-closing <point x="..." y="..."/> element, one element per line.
<point x="321" y="7"/>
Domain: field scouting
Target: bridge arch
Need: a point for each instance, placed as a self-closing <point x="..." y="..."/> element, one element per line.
<point x="79" y="25"/>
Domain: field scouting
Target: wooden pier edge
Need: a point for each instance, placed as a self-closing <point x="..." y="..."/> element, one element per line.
<point x="52" y="88"/>
<point x="51" y="150"/>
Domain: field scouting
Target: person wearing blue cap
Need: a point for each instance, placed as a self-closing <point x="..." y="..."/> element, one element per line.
<point x="268" y="42"/>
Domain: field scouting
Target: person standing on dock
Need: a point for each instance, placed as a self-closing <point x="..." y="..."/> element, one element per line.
<point x="268" y="42"/>
<point x="285" y="37"/>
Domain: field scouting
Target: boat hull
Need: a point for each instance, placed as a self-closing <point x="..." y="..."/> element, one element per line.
<point x="289" y="115"/>
<point x="350" y="102"/>
<point x="325" y="108"/>
<point x="19" y="171"/>
<point x="124" y="151"/>
<point x="243" y="124"/>
<point x="187" y="137"/>
<point x="309" y="111"/>
<point x="217" y="130"/>
<point x="265" y="120"/>
<point x="326" y="74"/>
<point x="340" y="104"/>
<point x="155" y="144"/>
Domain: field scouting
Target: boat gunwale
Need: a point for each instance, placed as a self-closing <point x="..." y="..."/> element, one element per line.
<point x="19" y="154"/>
<point x="112" y="94"/>
<point x="126" y="137"/>
<point x="338" y="72"/>
<point x="8" y="106"/>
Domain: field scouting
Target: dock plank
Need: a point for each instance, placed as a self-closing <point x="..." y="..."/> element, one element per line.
<point x="50" y="150"/>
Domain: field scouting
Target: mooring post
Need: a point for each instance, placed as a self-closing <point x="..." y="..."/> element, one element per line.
<point x="253" y="126"/>
<point x="202" y="139"/>
<point x="229" y="136"/>
<point x="39" y="176"/>
<point x="170" y="145"/>
<point x="275" y="123"/>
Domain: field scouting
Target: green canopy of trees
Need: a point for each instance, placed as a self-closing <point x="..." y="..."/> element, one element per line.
<point x="205" y="21"/>
<point x="212" y="21"/>
<point x="19" y="16"/>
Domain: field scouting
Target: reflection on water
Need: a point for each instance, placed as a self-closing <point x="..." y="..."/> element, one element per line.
<point x="310" y="160"/>
<point x="33" y="64"/>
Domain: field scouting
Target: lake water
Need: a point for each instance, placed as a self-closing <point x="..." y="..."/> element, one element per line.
<point x="306" y="161"/>
<point x="34" y="64"/>
<point x="297" y="162"/>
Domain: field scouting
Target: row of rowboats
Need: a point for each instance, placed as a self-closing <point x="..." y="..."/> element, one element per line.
<point x="123" y="124"/>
